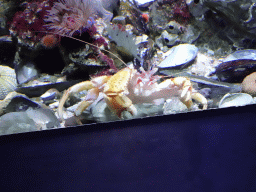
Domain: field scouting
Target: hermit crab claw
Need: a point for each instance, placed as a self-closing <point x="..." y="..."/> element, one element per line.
<point x="187" y="93"/>
<point x="201" y="99"/>
<point x="120" y="103"/>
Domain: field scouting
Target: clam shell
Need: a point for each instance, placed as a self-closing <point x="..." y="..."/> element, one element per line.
<point x="179" y="56"/>
<point x="8" y="82"/>
<point x="235" y="99"/>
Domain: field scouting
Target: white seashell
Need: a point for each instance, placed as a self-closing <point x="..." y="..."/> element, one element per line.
<point x="235" y="99"/>
<point x="8" y="82"/>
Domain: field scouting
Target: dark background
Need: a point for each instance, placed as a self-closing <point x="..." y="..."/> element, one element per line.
<point x="201" y="151"/>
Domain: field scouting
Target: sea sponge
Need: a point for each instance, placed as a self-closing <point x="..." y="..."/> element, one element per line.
<point x="125" y="41"/>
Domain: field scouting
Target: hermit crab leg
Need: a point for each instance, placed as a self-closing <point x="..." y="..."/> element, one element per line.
<point x="85" y="85"/>
<point x="200" y="98"/>
<point x="91" y="96"/>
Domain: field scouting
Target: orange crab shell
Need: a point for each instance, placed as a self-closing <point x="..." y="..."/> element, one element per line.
<point x="115" y="91"/>
<point x="118" y="82"/>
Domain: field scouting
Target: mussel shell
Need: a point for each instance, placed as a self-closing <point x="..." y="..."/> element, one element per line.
<point x="237" y="66"/>
<point x="235" y="100"/>
<point x="34" y="110"/>
<point x="38" y="90"/>
<point x="246" y="54"/>
<point x="27" y="116"/>
<point x="25" y="73"/>
<point x="20" y="103"/>
<point x="235" y="71"/>
<point x="180" y="56"/>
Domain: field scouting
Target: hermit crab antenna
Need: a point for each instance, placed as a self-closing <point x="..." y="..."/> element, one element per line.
<point x="87" y="44"/>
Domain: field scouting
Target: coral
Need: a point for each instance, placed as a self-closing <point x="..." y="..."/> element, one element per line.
<point x="181" y="11"/>
<point x="109" y="61"/>
<point x="100" y="41"/>
<point x="26" y="24"/>
<point x="69" y="16"/>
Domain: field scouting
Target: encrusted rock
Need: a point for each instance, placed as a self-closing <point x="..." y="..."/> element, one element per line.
<point x="119" y="20"/>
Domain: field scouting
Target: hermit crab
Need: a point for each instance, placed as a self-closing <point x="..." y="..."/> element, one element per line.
<point x="128" y="87"/>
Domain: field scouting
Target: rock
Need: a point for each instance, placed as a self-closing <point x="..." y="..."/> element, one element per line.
<point x="173" y="27"/>
<point x="196" y="8"/>
<point x="44" y="118"/>
<point x="249" y="84"/>
<point x="23" y="123"/>
<point x="167" y="40"/>
<point x="173" y="106"/>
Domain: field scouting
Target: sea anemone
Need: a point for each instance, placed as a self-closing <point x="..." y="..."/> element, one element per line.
<point x="145" y="17"/>
<point x="49" y="41"/>
<point x="69" y="16"/>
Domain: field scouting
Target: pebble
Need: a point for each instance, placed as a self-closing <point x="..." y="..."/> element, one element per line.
<point x="249" y="84"/>
<point x="173" y="106"/>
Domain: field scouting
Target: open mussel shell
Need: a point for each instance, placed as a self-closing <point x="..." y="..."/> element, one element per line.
<point x="235" y="100"/>
<point x="20" y="103"/>
<point x="25" y="115"/>
<point x="179" y="56"/>
<point x="235" y="67"/>
<point x="26" y="72"/>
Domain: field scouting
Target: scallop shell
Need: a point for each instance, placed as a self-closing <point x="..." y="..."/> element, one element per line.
<point x="8" y="82"/>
